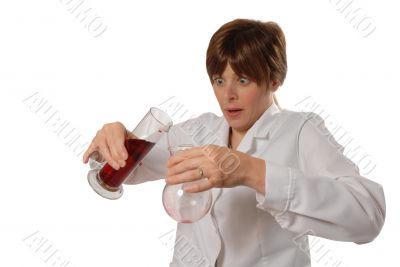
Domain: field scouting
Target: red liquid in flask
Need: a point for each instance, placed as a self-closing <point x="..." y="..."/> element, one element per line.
<point x="137" y="150"/>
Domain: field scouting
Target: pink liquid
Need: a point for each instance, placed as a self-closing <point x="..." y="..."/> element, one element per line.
<point x="137" y="150"/>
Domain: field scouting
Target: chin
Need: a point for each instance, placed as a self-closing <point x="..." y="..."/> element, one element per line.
<point x="239" y="126"/>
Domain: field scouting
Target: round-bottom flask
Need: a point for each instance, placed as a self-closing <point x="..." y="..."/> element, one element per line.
<point x="182" y="206"/>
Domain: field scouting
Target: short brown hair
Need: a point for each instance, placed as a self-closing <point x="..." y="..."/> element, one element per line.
<point x="253" y="48"/>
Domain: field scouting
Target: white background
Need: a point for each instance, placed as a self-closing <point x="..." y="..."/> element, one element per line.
<point x="152" y="51"/>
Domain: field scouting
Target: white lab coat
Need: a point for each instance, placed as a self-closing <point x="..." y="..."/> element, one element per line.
<point x="311" y="188"/>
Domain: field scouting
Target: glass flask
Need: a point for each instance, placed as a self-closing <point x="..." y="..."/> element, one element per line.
<point x="181" y="206"/>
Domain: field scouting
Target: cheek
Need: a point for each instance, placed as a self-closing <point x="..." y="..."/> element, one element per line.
<point x="217" y="96"/>
<point x="254" y="102"/>
<point x="251" y="100"/>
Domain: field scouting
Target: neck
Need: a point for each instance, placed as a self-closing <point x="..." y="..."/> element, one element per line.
<point x="234" y="138"/>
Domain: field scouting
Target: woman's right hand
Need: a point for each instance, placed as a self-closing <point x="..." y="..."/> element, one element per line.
<point x="109" y="143"/>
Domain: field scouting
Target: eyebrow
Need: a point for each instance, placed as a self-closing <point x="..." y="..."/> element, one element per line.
<point x="238" y="76"/>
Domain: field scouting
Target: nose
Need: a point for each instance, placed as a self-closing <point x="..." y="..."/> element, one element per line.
<point x="231" y="91"/>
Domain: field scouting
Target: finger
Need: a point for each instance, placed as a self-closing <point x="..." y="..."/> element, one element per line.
<point x="185" y="154"/>
<point x="204" y="185"/>
<point x="188" y="176"/>
<point x="96" y="156"/>
<point x="92" y="148"/>
<point x="185" y="165"/>
<point x="130" y="135"/>
<point x="117" y="149"/>
<point x="105" y="152"/>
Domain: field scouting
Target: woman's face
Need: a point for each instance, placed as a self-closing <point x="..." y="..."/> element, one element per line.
<point x="242" y="101"/>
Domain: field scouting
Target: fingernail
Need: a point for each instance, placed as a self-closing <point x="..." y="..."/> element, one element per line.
<point x="122" y="163"/>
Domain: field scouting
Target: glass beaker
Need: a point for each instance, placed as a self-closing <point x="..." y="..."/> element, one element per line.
<point x="182" y="206"/>
<point x="105" y="180"/>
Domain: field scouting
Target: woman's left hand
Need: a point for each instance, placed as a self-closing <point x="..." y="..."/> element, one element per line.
<point x="223" y="167"/>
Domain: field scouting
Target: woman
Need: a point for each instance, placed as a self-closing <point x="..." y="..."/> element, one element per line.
<point x="290" y="177"/>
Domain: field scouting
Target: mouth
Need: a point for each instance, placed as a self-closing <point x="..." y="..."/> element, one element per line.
<point x="234" y="112"/>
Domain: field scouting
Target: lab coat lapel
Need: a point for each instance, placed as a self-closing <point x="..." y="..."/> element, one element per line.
<point x="260" y="133"/>
<point x="260" y="130"/>
<point x="221" y="132"/>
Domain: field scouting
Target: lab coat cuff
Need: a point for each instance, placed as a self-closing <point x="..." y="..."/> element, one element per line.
<point x="279" y="187"/>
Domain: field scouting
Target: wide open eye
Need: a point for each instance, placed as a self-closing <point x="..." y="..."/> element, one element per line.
<point x="219" y="81"/>
<point x="244" y="81"/>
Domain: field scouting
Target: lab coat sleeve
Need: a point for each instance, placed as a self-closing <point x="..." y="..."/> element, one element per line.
<point x="325" y="195"/>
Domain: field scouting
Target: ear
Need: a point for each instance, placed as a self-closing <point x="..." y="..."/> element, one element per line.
<point x="274" y="86"/>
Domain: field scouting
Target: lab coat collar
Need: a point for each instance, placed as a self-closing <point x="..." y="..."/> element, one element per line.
<point x="262" y="126"/>
<point x="260" y="130"/>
